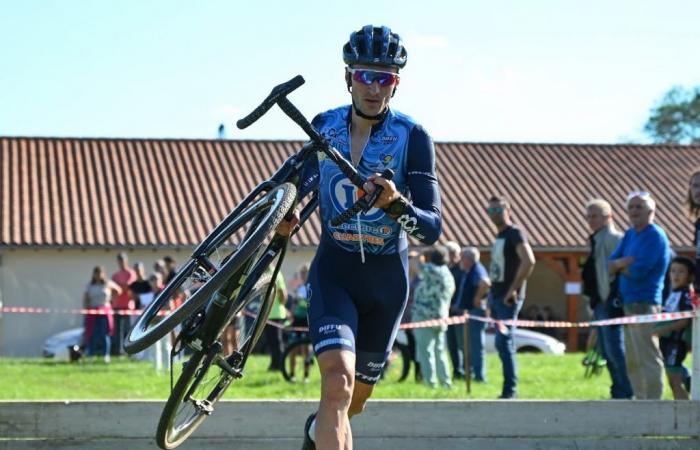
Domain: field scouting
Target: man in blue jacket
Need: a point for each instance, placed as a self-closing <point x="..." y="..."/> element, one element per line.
<point x="641" y="260"/>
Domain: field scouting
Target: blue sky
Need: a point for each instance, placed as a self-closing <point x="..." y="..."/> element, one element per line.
<point x="499" y="70"/>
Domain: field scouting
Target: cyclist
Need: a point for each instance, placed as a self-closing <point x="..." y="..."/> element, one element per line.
<point x="358" y="282"/>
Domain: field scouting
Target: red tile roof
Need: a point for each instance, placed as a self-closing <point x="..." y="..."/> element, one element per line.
<point x="161" y="192"/>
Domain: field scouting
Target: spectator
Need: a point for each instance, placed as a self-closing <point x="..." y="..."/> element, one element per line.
<point x="453" y="337"/>
<point x="139" y="287"/>
<point x="693" y="205"/>
<point x="122" y="303"/>
<point x="432" y="300"/>
<point x="512" y="261"/>
<point x="100" y="326"/>
<point x="170" y="269"/>
<point x="640" y="260"/>
<point x="159" y="352"/>
<point x="276" y="319"/>
<point x="596" y="286"/>
<point x="471" y="294"/>
<point x="159" y="267"/>
<point x="415" y="261"/>
<point x="300" y="307"/>
<point x="674" y="336"/>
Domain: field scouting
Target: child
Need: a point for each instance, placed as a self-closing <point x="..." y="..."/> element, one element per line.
<point x="673" y="335"/>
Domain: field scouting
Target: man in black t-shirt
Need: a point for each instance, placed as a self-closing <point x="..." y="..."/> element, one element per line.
<point x="512" y="261"/>
<point x="140" y="286"/>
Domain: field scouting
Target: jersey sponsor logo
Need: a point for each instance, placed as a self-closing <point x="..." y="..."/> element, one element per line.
<point x="338" y="236"/>
<point x="383" y="230"/>
<point x="384" y="139"/>
<point x="335" y="137"/>
<point x="329" y="328"/>
<point x="374" y="365"/>
<point x="408" y="224"/>
<point x="344" y="194"/>
<point x="367" y="378"/>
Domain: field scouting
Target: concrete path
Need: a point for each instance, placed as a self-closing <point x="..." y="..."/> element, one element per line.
<point x="386" y="425"/>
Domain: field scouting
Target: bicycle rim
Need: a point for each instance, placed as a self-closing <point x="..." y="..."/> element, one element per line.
<point x="202" y="382"/>
<point x="297" y="361"/>
<point x="202" y="275"/>
<point x="397" y="365"/>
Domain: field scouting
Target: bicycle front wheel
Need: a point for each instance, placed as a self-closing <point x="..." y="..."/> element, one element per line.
<point x="203" y="382"/>
<point x="207" y="271"/>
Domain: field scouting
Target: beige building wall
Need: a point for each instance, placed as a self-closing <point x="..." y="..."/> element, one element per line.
<point x="53" y="278"/>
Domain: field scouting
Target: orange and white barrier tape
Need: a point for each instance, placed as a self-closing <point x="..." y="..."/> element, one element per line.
<point x="95" y="311"/>
<point x="454" y="320"/>
<point x="647" y="318"/>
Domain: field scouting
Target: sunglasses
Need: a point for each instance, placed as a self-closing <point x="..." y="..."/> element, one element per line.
<point x="368" y="77"/>
<point x="495" y="209"/>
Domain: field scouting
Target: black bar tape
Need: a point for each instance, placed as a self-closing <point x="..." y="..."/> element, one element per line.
<point x="278" y="93"/>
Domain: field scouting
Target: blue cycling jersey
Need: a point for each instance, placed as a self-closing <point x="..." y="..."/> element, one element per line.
<point x="396" y="143"/>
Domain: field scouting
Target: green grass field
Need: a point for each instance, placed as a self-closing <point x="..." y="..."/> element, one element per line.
<point x="541" y="377"/>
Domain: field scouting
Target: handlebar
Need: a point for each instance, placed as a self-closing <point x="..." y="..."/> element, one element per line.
<point x="278" y="92"/>
<point x="278" y="96"/>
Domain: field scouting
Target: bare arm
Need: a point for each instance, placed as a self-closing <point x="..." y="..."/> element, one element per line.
<point x="672" y="326"/>
<point x="482" y="290"/>
<point x="525" y="268"/>
<point x="620" y="264"/>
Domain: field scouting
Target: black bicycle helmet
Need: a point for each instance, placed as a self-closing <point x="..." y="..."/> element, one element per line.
<point x="375" y="45"/>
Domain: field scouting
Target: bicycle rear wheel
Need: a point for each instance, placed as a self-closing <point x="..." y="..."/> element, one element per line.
<point x="297" y="360"/>
<point x="228" y="248"/>
<point x="398" y="364"/>
<point x="203" y="382"/>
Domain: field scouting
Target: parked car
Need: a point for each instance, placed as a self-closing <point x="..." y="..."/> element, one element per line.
<point x="64" y="345"/>
<point x="527" y="341"/>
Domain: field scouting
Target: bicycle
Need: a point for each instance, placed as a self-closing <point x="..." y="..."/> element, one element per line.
<point x="396" y="370"/>
<point x="593" y="361"/>
<point x="234" y="266"/>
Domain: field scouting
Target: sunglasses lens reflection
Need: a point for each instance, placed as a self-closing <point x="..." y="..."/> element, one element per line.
<point x="370" y="76"/>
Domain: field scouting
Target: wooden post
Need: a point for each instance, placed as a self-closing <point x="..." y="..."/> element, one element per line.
<point x="467" y="356"/>
<point x="566" y="265"/>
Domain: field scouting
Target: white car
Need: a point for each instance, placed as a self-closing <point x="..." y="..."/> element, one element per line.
<point x="63" y="345"/>
<point x="527" y="341"/>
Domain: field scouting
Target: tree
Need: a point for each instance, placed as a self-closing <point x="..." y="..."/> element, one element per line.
<point x="676" y="119"/>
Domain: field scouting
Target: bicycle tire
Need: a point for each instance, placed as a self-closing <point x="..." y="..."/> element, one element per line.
<point x="171" y="432"/>
<point x="289" y="355"/>
<point x="264" y="214"/>
<point x="398" y="364"/>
